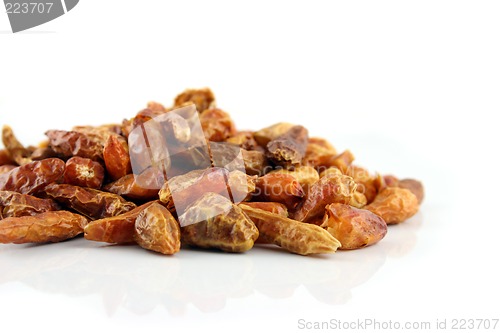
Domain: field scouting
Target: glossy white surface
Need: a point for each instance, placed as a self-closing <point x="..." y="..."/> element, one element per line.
<point x="127" y="279"/>
<point x="411" y="88"/>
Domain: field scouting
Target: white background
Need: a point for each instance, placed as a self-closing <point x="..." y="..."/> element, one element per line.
<point x="411" y="87"/>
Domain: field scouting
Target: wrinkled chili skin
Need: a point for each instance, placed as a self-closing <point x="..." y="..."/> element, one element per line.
<point x="72" y="143"/>
<point x="292" y="235"/>
<point x="289" y="148"/>
<point x="244" y="139"/>
<point x="157" y="230"/>
<point x="128" y="187"/>
<point x="394" y="205"/>
<point x="117" y="229"/>
<point x="116" y="157"/>
<point x="342" y="161"/>
<point x="354" y="228"/>
<point x="217" y="125"/>
<point x="230" y="231"/>
<point x="255" y="162"/>
<point x="265" y="135"/>
<point x="328" y="189"/>
<point x="189" y="187"/>
<point x="305" y="175"/>
<point x="280" y="188"/>
<point x="269" y="206"/>
<point x="32" y="177"/>
<point x="41" y="228"/>
<point x="140" y="118"/>
<point x="201" y="98"/>
<point x="6" y="168"/>
<point x="319" y="153"/>
<point x="92" y="203"/>
<point x="13" y="204"/>
<point x="366" y="182"/>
